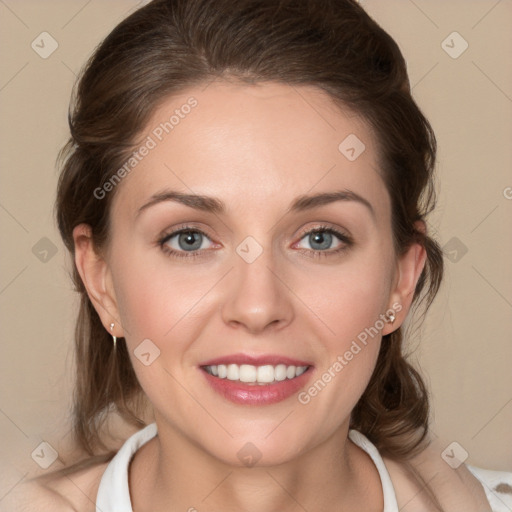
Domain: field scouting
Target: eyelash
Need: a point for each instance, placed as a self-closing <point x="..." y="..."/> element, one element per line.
<point x="347" y="241"/>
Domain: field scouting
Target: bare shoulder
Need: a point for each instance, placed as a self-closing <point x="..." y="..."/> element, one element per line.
<point x="426" y="481"/>
<point x="64" y="493"/>
<point x="34" y="497"/>
<point x="410" y="494"/>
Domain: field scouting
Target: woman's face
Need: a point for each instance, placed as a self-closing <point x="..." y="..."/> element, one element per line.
<point x="274" y="270"/>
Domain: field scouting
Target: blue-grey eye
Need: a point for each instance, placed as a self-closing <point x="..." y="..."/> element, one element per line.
<point x="320" y="240"/>
<point x="187" y="241"/>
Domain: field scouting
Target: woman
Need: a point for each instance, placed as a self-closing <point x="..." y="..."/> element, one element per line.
<point x="245" y="194"/>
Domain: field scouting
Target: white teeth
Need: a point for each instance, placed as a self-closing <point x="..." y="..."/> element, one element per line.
<point x="265" y="374"/>
<point x="300" y="370"/>
<point x="222" y="371"/>
<point x="280" y="372"/>
<point x="248" y="373"/>
<point x="233" y="372"/>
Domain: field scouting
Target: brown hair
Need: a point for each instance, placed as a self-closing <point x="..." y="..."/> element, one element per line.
<point x="169" y="45"/>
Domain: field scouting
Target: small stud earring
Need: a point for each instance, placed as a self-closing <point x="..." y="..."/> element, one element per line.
<point x="114" y="339"/>
<point x="391" y="317"/>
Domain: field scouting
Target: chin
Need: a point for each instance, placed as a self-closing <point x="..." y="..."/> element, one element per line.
<point x="258" y="450"/>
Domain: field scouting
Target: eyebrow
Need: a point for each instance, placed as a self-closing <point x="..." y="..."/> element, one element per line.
<point x="214" y="205"/>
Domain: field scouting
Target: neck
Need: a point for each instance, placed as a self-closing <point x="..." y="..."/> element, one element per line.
<point x="170" y="471"/>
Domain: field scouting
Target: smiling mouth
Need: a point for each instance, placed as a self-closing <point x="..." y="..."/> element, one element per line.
<point x="255" y="375"/>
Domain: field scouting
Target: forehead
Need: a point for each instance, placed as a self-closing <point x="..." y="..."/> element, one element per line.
<point x="251" y="143"/>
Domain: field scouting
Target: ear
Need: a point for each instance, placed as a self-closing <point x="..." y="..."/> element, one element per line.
<point x="96" y="276"/>
<point x="409" y="268"/>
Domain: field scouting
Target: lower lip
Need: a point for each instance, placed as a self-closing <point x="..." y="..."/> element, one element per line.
<point x="256" y="394"/>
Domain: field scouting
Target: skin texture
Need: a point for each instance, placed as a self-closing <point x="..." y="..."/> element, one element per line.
<point x="256" y="148"/>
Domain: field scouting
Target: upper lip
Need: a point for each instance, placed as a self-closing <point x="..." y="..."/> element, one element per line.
<point x="255" y="360"/>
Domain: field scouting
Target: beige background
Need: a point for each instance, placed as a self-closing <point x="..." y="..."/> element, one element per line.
<point x="464" y="347"/>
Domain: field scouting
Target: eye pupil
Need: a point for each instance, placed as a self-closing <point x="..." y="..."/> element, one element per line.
<point x="190" y="239"/>
<point x="322" y="238"/>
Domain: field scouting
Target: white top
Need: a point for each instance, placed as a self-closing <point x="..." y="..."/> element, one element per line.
<point x="114" y="494"/>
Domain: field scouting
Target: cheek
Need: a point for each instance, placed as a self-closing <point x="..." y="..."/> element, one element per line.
<point x="348" y="298"/>
<point x="162" y="303"/>
<point x="349" y="301"/>
<point x="157" y="299"/>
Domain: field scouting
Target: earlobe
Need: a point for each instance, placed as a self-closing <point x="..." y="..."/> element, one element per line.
<point x="95" y="274"/>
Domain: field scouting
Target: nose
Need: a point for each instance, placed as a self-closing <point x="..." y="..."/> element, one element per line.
<point x="257" y="296"/>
